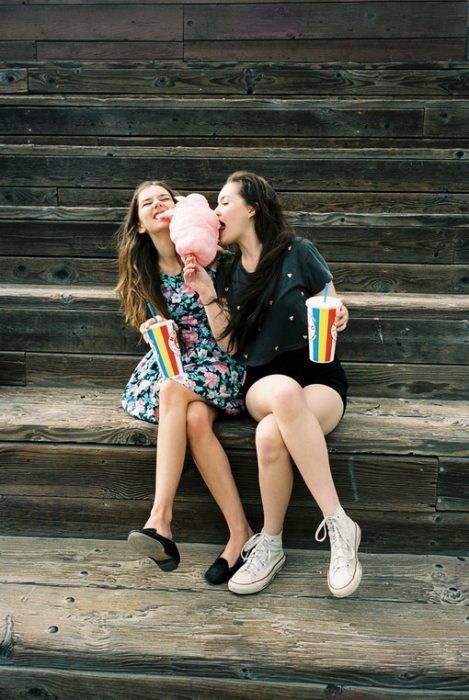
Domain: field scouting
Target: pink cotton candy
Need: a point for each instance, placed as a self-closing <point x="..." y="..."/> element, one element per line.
<point x="193" y="228"/>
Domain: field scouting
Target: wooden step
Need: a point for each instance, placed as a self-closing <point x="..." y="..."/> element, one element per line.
<point x="389" y="328"/>
<point x="375" y="252"/>
<point x="374" y="170"/>
<point x="396" y="462"/>
<point x="120" y="626"/>
<point x="283" y="121"/>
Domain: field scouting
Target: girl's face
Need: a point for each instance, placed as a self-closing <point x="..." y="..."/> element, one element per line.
<point x="153" y="200"/>
<point x="236" y="216"/>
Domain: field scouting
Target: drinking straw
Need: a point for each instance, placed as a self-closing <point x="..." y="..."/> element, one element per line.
<point x="326" y="291"/>
<point x="152" y="311"/>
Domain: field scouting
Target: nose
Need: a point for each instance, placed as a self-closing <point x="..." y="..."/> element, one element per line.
<point x="217" y="211"/>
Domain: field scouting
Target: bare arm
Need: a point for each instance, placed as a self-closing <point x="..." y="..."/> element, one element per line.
<point x="198" y="279"/>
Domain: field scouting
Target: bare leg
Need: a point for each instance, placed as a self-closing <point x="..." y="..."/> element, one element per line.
<point x="275" y="474"/>
<point x="303" y="416"/>
<point x="170" y="454"/>
<point x="213" y="464"/>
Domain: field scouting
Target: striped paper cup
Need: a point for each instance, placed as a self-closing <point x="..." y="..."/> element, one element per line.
<point x="322" y="333"/>
<point x="164" y="342"/>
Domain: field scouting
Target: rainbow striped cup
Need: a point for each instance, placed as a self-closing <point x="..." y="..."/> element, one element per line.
<point x="164" y="342"/>
<point x="322" y="333"/>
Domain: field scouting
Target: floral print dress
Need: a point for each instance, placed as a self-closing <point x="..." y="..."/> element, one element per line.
<point x="209" y="372"/>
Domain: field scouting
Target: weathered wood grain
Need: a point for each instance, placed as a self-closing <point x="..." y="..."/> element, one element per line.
<point x="160" y="22"/>
<point x="13" y="80"/>
<point x="384" y="426"/>
<point x="277" y="641"/>
<point x="214" y="119"/>
<point x="287" y="169"/>
<point x="409" y="578"/>
<point x="79" y="582"/>
<point x="17" y="51"/>
<point x="109" y="50"/>
<point x="324" y="21"/>
<point x="364" y="483"/>
<point x="369" y="277"/>
<point x="345" y="202"/>
<point x="328" y="50"/>
<point x="194" y="521"/>
<point x="417" y="79"/>
<point x="365" y="379"/>
<point x="81" y="271"/>
<point x="12" y="368"/>
<point x="451" y="119"/>
<point x="453" y="484"/>
<point x="28" y="196"/>
<point x="381" y="339"/>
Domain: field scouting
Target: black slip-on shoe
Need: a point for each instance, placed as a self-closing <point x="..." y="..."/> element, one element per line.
<point x="220" y="572"/>
<point x="159" y="549"/>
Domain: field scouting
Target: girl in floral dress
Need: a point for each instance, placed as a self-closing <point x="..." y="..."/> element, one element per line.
<point x="184" y="407"/>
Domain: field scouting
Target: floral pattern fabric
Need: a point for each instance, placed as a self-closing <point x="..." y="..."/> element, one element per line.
<point x="209" y="372"/>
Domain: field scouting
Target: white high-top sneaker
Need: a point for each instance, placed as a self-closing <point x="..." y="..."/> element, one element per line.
<point x="264" y="557"/>
<point x="345" y="571"/>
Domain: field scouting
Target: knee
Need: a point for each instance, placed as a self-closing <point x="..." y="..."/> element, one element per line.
<point x="171" y="393"/>
<point x="269" y="441"/>
<point x="199" y="422"/>
<point x="287" y="398"/>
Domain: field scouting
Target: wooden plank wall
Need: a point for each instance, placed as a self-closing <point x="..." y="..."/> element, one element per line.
<point x="233" y="30"/>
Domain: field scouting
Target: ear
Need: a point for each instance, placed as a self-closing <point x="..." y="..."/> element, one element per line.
<point x="251" y="212"/>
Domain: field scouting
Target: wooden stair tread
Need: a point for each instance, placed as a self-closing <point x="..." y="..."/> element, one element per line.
<point x="368" y="303"/>
<point x="380" y="426"/>
<point x="115" y="611"/>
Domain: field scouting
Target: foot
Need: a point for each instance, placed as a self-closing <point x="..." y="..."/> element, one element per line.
<point x="264" y="557"/>
<point x="234" y="546"/>
<point x="345" y="571"/>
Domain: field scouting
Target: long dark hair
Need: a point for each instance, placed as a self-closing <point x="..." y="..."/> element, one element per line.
<point x="139" y="279"/>
<point x="248" y="311"/>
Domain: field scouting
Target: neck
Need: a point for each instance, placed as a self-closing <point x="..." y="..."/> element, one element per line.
<point x="168" y="261"/>
<point x="251" y="249"/>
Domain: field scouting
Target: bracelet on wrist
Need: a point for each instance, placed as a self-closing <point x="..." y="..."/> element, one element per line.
<point x="212" y="301"/>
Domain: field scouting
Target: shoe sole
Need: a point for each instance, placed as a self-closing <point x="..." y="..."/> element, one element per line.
<point x="248" y="588"/>
<point x="356" y="578"/>
<point x="143" y="544"/>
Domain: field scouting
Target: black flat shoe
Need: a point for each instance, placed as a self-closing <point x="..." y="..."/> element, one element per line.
<point x="159" y="549"/>
<point x="220" y="572"/>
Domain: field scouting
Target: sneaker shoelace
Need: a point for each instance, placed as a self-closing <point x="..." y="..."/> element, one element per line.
<point x="255" y="552"/>
<point x="341" y="550"/>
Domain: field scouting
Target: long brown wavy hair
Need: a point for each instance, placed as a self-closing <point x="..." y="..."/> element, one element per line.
<point x="248" y="311"/>
<point x="139" y="279"/>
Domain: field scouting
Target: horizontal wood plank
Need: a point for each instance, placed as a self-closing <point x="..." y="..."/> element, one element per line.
<point x="345" y="202"/>
<point x="453" y="485"/>
<point x="75" y="22"/>
<point x="381" y="339"/>
<point x="18" y="51"/>
<point x="450" y="119"/>
<point x="363" y="482"/>
<point x="13" y="80"/>
<point x="28" y="196"/>
<point x="109" y="50"/>
<point x="238" y="118"/>
<point x="441" y="533"/>
<point x="287" y="169"/>
<point x="365" y="379"/>
<point x="324" y="21"/>
<point x="328" y="50"/>
<point x="12" y="368"/>
<point x="283" y="644"/>
<point x="370" y="277"/>
<point x="259" y="79"/>
<point x="81" y="415"/>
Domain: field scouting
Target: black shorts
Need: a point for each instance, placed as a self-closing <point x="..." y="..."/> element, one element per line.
<point x="297" y="365"/>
